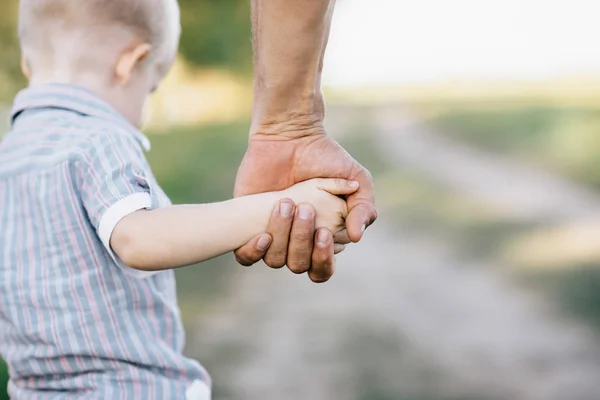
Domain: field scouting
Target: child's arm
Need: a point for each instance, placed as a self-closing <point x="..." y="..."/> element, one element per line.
<point x="187" y="234"/>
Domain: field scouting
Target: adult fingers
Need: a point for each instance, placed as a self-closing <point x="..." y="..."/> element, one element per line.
<point x="279" y="228"/>
<point x="300" y="247"/>
<point x="361" y="206"/>
<point x="323" y="260"/>
<point x="360" y="218"/>
<point x="253" y="251"/>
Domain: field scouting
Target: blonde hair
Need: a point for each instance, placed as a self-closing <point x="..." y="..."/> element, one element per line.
<point x="94" y="21"/>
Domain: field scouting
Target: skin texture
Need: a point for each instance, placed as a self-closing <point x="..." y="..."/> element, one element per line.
<point x="288" y="143"/>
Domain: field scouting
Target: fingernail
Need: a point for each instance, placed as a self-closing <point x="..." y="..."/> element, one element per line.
<point x="353" y="184"/>
<point x="322" y="238"/>
<point x="305" y="212"/>
<point x="285" y="209"/>
<point x="362" y="230"/>
<point x="263" y="243"/>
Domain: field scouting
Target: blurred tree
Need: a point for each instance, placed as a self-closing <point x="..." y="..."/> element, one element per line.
<point x="216" y="33"/>
<point x="10" y="73"/>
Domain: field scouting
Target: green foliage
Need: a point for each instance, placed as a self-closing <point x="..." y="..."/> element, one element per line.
<point x="3" y="380"/>
<point x="198" y="164"/>
<point x="577" y="287"/>
<point x="217" y="33"/>
<point x="10" y="73"/>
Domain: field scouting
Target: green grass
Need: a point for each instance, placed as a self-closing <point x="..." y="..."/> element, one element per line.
<point x="3" y="380"/>
<point x="198" y="164"/>
<point x="564" y="139"/>
<point x="576" y="289"/>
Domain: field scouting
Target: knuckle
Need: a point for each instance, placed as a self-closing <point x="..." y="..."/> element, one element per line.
<point x="298" y="265"/>
<point x="321" y="260"/>
<point x="275" y="261"/>
<point x="367" y="173"/>
<point x="301" y="234"/>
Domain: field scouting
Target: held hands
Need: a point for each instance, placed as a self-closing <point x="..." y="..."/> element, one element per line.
<point x="288" y="143"/>
<point x="323" y="194"/>
<point x="277" y="162"/>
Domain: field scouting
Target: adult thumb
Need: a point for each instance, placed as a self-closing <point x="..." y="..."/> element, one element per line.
<point x="359" y="218"/>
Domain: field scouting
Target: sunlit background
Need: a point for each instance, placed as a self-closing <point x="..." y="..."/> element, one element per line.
<point x="384" y="42"/>
<point x="480" y="122"/>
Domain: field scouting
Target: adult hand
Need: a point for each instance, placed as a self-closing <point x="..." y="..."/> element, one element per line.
<point x="272" y="246"/>
<point x="288" y="143"/>
<point x="275" y="162"/>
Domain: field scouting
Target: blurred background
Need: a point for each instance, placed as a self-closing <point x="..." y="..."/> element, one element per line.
<point x="480" y="122"/>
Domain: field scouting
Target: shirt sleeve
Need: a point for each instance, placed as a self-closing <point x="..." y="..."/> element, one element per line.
<point x="116" y="182"/>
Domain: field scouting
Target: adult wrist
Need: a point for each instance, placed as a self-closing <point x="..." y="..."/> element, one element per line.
<point x="293" y="128"/>
<point x="280" y="114"/>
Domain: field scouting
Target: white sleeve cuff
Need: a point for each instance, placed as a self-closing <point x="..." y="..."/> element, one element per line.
<point x="111" y="218"/>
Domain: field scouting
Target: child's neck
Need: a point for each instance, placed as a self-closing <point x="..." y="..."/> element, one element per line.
<point x="88" y="80"/>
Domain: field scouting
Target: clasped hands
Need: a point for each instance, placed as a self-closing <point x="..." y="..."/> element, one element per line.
<point x="295" y="237"/>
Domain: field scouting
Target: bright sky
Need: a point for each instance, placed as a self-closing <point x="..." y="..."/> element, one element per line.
<point x="400" y="41"/>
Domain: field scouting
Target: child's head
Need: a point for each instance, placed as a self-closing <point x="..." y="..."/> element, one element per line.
<point x="120" y="49"/>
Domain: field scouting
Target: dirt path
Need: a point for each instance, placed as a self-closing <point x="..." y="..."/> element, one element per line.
<point x="522" y="191"/>
<point x="403" y="319"/>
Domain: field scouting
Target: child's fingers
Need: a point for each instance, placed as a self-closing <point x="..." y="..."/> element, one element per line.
<point x="338" y="248"/>
<point x="341" y="237"/>
<point x="337" y="186"/>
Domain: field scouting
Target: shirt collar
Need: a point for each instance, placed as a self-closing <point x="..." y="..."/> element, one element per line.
<point x="74" y="98"/>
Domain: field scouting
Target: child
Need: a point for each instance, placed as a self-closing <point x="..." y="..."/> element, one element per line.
<point x="89" y="240"/>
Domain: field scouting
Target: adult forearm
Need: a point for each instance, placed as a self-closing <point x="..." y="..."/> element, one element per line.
<point x="188" y="234"/>
<point x="290" y="38"/>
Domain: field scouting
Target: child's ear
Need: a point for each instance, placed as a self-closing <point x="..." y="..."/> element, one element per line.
<point x="25" y="67"/>
<point x="129" y="60"/>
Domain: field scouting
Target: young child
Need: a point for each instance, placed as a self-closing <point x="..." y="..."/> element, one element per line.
<point x="87" y="295"/>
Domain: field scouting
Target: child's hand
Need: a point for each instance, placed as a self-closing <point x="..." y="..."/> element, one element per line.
<point x="323" y="194"/>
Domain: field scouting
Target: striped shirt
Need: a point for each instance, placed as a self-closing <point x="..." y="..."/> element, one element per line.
<point x="75" y="322"/>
